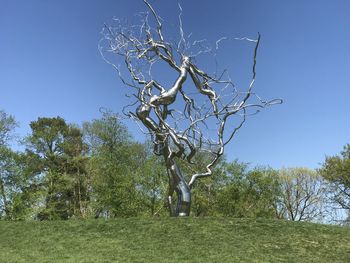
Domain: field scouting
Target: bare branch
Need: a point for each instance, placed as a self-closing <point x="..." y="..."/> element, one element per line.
<point x="180" y="128"/>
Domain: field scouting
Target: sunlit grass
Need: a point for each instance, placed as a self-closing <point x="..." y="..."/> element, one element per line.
<point x="173" y="240"/>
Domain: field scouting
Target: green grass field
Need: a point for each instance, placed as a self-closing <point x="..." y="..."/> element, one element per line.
<point x="173" y="240"/>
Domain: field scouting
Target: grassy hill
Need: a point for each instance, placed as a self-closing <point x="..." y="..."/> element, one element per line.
<point x="173" y="240"/>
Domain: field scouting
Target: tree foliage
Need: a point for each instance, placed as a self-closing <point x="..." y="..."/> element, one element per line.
<point x="59" y="149"/>
<point x="336" y="169"/>
<point x="7" y="165"/>
<point x="249" y="193"/>
<point x="124" y="175"/>
<point x="99" y="170"/>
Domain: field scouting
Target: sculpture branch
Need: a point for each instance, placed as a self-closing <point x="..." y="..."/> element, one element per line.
<point x="178" y="116"/>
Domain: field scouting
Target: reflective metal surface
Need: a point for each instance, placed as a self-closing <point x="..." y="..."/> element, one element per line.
<point x="179" y="133"/>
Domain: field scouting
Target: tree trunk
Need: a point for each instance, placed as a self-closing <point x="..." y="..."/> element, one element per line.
<point x="178" y="185"/>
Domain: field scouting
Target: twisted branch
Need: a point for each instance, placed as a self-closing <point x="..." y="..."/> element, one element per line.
<point x="179" y="133"/>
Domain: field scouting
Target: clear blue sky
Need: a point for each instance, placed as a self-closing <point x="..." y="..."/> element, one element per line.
<point x="50" y="66"/>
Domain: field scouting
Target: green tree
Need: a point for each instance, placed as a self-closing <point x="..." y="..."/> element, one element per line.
<point x="29" y="195"/>
<point x="112" y="167"/>
<point x="7" y="126"/>
<point x="7" y="164"/>
<point x="248" y="193"/>
<point x="16" y="186"/>
<point x="7" y="181"/>
<point x="59" y="149"/>
<point x="336" y="169"/>
<point x="152" y="181"/>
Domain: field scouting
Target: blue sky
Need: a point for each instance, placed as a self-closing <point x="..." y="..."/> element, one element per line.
<point x="50" y="66"/>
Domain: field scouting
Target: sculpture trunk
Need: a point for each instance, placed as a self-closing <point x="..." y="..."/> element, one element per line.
<point x="178" y="185"/>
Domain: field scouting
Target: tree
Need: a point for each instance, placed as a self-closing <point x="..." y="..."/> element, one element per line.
<point x="249" y="193"/>
<point x="17" y="197"/>
<point x="336" y="169"/>
<point x="150" y="183"/>
<point x="112" y="167"/>
<point x="176" y="117"/>
<point x="7" y="126"/>
<point x="59" y="150"/>
<point x="7" y="164"/>
<point x="303" y="195"/>
<point x="7" y="183"/>
<point x="28" y="194"/>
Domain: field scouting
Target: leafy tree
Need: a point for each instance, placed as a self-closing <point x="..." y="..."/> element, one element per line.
<point x="248" y="193"/>
<point x="7" y="183"/>
<point x="336" y="169"/>
<point x="59" y="149"/>
<point x="28" y="196"/>
<point x="112" y="167"/>
<point x="7" y="126"/>
<point x="16" y="195"/>
<point x="7" y="164"/>
<point x="151" y="180"/>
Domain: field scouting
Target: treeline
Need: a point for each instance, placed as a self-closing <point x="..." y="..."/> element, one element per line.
<point x="98" y="170"/>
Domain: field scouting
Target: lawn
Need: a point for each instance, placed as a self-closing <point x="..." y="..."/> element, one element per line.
<point x="173" y="240"/>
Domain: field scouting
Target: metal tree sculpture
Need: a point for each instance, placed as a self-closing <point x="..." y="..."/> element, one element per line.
<point x="207" y="100"/>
